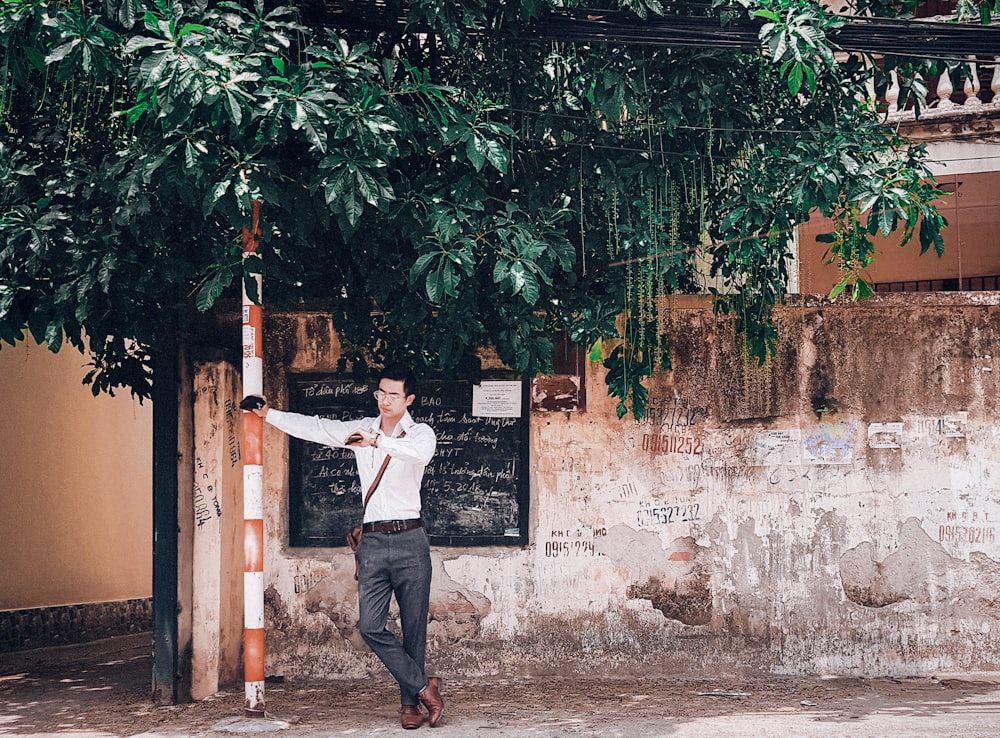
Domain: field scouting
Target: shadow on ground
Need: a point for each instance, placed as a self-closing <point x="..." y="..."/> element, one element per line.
<point x="104" y="689"/>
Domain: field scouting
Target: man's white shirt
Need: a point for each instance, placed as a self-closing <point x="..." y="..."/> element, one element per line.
<point x="398" y="494"/>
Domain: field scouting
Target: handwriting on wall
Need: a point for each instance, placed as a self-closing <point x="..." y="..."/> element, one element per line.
<point x="785" y="457"/>
<point x="573" y="542"/>
<point x="655" y="443"/>
<point x="967" y="534"/>
<point x="788" y="475"/>
<point x="951" y="426"/>
<point x="671" y="413"/>
<point x="967" y="528"/>
<point x="205" y="496"/>
<point x="656" y="513"/>
<point x="303" y="581"/>
<point x="579" y="547"/>
<point x="232" y="439"/>
<point x="671" y="422"/>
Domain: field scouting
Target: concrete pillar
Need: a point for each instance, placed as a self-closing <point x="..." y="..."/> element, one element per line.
<point x="216" y="531"/>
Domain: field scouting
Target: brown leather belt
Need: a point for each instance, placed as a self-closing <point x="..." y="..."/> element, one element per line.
<point x="392" y="526"/>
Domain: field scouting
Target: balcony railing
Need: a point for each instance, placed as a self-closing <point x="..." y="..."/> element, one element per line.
<point x="970" y="97"/>
<point x="963" y="91"/>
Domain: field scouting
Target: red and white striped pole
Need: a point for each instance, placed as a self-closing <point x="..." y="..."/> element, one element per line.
<point x="253" y="489"/>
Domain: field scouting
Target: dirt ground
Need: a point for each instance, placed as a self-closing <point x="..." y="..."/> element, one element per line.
<point x="102" y="690"/>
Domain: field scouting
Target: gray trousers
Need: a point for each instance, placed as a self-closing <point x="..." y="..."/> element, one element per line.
<point x="396" y="564"/>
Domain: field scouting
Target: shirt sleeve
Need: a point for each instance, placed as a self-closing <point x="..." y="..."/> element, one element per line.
<point x="313" y="428"/>
<point x="416" y="447"/>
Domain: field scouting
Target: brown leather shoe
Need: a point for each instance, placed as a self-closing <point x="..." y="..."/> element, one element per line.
<point x="410" y="717"/>
<point x="430" y="697"/>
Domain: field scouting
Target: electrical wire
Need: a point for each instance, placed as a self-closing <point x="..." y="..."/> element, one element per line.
<point x="959" y="42"/>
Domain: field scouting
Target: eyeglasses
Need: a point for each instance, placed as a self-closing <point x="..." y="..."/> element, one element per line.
<point x="381" y="395"/>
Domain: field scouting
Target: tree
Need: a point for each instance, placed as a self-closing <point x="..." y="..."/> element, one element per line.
<point x="441" y="185"/>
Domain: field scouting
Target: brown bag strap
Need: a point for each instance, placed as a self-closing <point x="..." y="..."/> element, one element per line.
<point x="378" y="477"/>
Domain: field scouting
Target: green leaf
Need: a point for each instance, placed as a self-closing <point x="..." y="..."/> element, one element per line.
<point x="733" y="217"/>
<point x="54" y="335"/>
<point x="862" y="290"/>
<point x="475" y="149"/>
<point x="61" y="52"/>
<point x="210" y="290"/>
<point x="213" y="195"/>
<point x="190" y="28"/>
<point x="497" y="155"/>
<point x="886" y="221"/>
<point x="351" y="203"/>
<point x="235" y="110"/>
<point x="421" y="265"/>
<point x="136" y="43"/>
<point x="530" y="288"/>
<point x="795" y="74"/>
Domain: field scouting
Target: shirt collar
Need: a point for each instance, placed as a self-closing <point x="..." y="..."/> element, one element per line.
<point x="405" y="423"/>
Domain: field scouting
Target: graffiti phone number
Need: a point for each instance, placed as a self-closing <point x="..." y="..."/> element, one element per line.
<point x="554" y="549"/>
<point x="966" y="534"/>
<point x="669" y="514"/>
<point x="665" y="444"/>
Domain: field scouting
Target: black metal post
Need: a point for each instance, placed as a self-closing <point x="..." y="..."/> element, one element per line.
<point x="165" y="531"/>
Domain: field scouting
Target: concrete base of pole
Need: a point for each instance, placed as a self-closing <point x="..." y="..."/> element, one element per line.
<point x="264" y="724"/>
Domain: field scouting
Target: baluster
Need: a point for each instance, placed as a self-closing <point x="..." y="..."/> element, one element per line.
<point x="972" y="85"/>
<point x="944" y="90"/>
<point x="995" y="83"/>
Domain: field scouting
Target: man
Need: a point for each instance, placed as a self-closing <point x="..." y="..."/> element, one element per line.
<point x="394" y="554"/>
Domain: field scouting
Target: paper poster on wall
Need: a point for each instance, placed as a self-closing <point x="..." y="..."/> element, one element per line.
<point x="830" y="443"/>
<point x="954" y="426"/>
<point x="885" y="435"/>
<point x="497" y="399"/>
<point x="777" y="447"/>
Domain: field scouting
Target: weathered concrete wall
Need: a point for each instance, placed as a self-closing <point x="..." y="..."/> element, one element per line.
<point x="832" y="511"/>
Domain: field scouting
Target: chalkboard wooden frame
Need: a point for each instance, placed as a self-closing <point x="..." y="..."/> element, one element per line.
<point x="324" y="496"/>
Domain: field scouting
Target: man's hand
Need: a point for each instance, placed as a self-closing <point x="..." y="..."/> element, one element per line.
<point x="257" y="404"/>
<point x="361" y="438"/>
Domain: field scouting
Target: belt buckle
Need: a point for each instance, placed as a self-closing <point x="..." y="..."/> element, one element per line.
<point x="397" y="526"/>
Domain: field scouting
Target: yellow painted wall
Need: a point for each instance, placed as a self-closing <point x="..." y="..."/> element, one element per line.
<point x="971" y="238"/>
<point x="75" y="485"/>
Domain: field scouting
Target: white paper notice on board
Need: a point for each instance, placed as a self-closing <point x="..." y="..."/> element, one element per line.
<point x="497" y="399"/>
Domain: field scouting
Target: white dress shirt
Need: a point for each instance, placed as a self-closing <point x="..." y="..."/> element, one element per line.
<point x="398" y="494"/>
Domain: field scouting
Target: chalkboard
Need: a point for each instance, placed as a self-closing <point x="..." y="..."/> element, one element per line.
<point x="475" y="490"/>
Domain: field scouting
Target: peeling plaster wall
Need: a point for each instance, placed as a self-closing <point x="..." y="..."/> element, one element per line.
<point x="832" y="511"/>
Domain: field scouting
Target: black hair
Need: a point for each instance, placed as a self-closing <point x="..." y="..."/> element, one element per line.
<point x="400" y="373"/>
